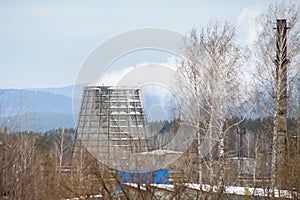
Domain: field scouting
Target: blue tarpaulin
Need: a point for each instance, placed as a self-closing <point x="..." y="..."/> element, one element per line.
<point x="160" y="176"/>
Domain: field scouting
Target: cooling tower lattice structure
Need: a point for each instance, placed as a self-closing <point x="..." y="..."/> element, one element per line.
<point x="111" y="125"/>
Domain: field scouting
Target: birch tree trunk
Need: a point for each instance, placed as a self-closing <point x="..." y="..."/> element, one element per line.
<point x="221" y="155"/>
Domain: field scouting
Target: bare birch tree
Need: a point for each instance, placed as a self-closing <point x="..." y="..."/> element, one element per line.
<point x="209" y="83"/>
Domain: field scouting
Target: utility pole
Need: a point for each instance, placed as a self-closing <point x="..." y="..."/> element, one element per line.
<point x="241" y="152"/>
<point x="241" y="132"/>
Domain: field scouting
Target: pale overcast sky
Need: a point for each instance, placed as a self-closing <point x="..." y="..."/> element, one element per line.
<point x="44" y="43"/>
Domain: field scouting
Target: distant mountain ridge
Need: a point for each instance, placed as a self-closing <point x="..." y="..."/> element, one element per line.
<point x="42" y="109"/>
<point x="37" y="109"/>
<point x="65" y="91"/>
<point x="16" y="101"/>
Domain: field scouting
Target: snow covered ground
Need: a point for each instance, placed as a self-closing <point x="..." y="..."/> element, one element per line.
<point x="237" y="190"/>
<point x="234" y="190"/>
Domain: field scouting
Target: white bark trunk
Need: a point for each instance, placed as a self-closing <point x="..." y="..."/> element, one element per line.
<point x="221" y="154"/>
<point x="210" y="166"/>
<point x="199" y="156"/>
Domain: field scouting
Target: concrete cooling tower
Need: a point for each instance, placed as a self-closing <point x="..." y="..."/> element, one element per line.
<point x="111" y="125"/>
